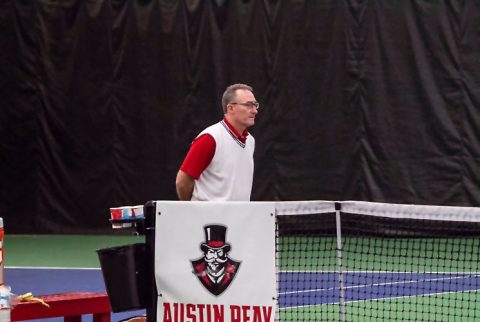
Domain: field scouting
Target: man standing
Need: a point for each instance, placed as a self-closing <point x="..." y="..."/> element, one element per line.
<point x="219" y="164"/>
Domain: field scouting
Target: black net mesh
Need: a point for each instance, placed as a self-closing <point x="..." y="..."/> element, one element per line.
<point x="384" y="269"/>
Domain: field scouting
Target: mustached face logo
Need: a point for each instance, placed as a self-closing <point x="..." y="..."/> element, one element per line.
<point x="215" y="269"/>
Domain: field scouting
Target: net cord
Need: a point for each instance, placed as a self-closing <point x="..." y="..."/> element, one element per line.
<point x="423" y="212"/>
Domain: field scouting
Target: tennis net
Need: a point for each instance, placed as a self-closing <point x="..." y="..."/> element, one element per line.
<point x="359" y="261"/>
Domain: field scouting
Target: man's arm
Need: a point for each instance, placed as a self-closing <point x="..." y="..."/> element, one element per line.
<point x="184" y="183"/>
<point x="198" y="158"/>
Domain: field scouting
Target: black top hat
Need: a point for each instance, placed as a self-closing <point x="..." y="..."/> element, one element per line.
<point x="215" y="237"/>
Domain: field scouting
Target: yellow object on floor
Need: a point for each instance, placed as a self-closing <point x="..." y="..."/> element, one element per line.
<point x="28" y="297"/>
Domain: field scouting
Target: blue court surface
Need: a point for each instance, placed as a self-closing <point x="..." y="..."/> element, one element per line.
<point x="301" y="289"/>
<point x="41" y="281"/>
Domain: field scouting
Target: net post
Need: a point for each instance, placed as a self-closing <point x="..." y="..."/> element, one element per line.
<point x="341" y="288"/>
<point x="150" y="213"/>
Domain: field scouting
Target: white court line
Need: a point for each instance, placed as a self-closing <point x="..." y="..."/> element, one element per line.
<point x="379" y="284"/>
<point x="466" y="275"/>
<point x="383" y="272"/>
<point x="379" y="299"/>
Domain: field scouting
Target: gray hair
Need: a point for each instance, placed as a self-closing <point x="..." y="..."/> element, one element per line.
<point x="229" y="94"/>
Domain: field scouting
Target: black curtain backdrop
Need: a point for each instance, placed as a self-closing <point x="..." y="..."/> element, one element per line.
<point x="360" y="100"/>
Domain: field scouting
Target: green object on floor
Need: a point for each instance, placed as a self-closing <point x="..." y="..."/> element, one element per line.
<point x="75" y="251"/>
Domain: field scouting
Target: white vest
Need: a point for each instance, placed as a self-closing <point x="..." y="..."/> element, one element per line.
<point x="229" y="175"/>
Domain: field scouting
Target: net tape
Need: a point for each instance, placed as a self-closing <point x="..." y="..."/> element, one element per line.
<point x="427" y="212"/>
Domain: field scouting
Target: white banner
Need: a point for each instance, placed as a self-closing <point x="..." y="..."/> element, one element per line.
<point x="215" y="261"/>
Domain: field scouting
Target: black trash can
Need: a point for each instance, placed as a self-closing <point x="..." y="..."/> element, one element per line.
<point x="125" y="276"/>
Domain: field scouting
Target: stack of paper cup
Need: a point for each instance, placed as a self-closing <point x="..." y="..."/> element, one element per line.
<point x="126" y="213"/>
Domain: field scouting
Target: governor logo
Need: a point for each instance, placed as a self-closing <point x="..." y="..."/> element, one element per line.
<point x="215" y="269"/>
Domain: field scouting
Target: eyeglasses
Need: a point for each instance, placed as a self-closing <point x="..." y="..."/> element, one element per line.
<point x="250" y="105"/>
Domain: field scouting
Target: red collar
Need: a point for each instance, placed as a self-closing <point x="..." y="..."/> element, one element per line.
<point x="242" y="137"/>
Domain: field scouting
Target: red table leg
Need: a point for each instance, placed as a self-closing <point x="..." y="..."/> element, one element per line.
<point x="101" y="317"/>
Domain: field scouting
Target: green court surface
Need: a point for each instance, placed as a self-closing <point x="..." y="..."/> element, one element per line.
<point x="381" y="254"/>
<point x="77" y="251"/>
<point x="426" y="308"/>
